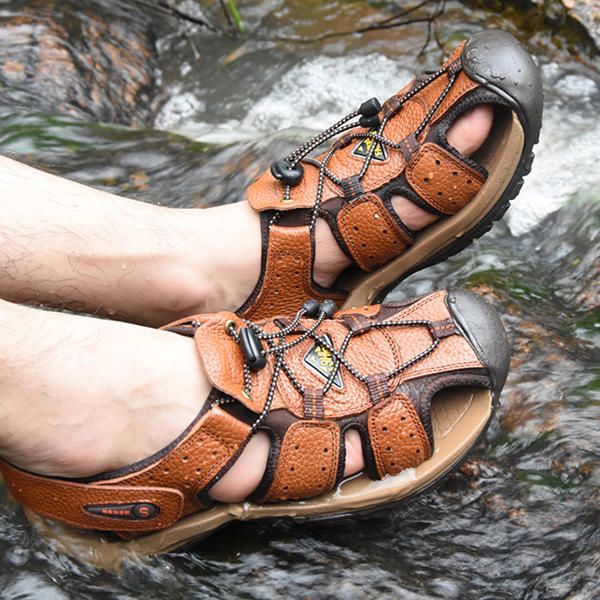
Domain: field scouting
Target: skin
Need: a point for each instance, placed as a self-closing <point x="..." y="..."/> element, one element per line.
<point x="67" y="379"/>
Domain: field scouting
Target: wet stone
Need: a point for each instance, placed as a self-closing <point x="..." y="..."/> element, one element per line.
<point x="86" y="59"/>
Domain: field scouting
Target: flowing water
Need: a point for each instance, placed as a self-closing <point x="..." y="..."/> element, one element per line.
<point x="521" y="519"/>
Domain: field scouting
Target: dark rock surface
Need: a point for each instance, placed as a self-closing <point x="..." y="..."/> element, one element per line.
<point x="93" y="59"/>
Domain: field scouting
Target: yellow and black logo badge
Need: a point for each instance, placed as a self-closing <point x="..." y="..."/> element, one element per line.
<point x="321" y="361"/>
<point x="365" y="145"/>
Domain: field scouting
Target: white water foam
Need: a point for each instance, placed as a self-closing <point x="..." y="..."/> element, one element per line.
<point x="315" y="93"/>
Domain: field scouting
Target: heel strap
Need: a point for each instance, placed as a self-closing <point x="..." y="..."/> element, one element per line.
<point x="150" y="495"/>
<point x="286" y="279"/>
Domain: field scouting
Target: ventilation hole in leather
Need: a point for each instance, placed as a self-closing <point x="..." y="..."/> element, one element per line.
<point x="384" y="429"/>
<point x="426" y="179"/>
<point x="363" y="245"/>
<point x="214" y="452"/>
<point x="355" y="228"/>
<point x="292" y="469"/>
<point x="411" y="435"/>
<point x="323" y="469"/>
<point x="392" y="464"/>
<point x="418" y="451"/>
<point x="166" y="471"/>
<point x="198" y="471"/>
<point x="296" y="447"/>
<point x="403" y="418"/>
<point x="440" y="193"/>
<point x="469" y="182"/>
<point x="394" y="241"/>
<point x="455" y="173"/>
<point x="370" y="257"/>
<point x="389" y="448"/>
<point x="185" y="459"/>
<point x="187" y="486"/>
<point x="285" y="488"/>
<point x="384" y="230"/>
<point x="276" y="291"/>
<point x="325" y="450"/>
<point x="437" y="162"/>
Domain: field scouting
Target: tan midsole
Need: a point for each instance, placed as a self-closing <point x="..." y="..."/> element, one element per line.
<point x="458" y="415"/>
<point x="501" y="161"/>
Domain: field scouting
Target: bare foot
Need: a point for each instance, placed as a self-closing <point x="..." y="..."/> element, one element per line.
<point x="85" y="396"/>
<point x="232" y="233"/>
<point x="467" y="134"/>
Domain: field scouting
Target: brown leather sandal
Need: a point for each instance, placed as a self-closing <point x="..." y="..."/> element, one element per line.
<point x="398" y="148"/>
<point x="418" y="380"/>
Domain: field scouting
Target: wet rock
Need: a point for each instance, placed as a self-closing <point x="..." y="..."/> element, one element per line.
<point x="588" y="13"/>
<point x="87" y="59"/>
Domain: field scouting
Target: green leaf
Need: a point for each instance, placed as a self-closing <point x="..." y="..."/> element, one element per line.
<point x="235" y="15"/>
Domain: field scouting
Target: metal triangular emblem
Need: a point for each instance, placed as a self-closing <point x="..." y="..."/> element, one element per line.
<point x="363" y="148"/>
<point x="321" y="361"/>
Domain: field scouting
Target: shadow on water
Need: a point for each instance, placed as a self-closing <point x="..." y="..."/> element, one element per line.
<point x="521" y="518"/>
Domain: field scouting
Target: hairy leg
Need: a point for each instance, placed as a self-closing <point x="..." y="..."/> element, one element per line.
<point x="66" y="245"/>
<point x="79" y="396"/>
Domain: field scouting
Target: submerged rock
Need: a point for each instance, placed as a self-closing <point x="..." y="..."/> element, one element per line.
<point x="87" y="59"/>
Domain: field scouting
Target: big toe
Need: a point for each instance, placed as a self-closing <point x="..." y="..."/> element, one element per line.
<point x="469" y="132"/>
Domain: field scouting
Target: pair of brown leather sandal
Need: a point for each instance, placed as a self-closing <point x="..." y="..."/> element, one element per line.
<point x="417" y="380"/>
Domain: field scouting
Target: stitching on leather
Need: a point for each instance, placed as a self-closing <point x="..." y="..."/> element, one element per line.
<point x="350" y="237"/>
<point x="439" y="154"/>
<point x="334" y="457"/>
<point x="417" y="424"/>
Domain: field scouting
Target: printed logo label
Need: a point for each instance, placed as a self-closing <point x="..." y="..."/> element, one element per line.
<point x="138" y="511"/>
<point x="321" y="361"/>
<point x="363" y="148"/>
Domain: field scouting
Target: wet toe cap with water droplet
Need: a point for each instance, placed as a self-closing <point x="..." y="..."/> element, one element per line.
<point x="481" y="325"/>
<point x="498" y="61"/>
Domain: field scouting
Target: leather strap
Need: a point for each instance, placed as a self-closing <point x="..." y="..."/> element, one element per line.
<point x="397" y="437"/>
<point x="308" y="461"/>
<point x="371" y="234"/>
<point x="442" y="180"/>
<point x="154" y="496"/>
<point x="286" y="281"/>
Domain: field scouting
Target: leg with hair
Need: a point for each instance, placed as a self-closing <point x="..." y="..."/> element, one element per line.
<point x="80" y="396"/>
<point x="66" y="245"/>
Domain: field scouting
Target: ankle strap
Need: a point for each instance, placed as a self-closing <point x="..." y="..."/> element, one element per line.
<point x="149" y="495"/>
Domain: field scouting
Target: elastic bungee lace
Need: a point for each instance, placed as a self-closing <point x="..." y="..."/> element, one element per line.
<point x="278" y="345"/>
<point x="300" y="154"/>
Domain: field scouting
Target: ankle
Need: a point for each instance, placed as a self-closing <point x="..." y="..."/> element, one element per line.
<point x="219" y="256"/>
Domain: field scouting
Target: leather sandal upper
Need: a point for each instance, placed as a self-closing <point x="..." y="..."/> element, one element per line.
<point x="305" y="381"/>
<point x="397" y="148"/>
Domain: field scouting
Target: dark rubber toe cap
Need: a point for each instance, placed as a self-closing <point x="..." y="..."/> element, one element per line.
<point x="499" y="62"/>
<point x="481" y="325"/>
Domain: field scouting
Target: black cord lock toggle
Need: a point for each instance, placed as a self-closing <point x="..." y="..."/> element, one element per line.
<point x="311" y="308"/>
<point x="282" y="171"/>
<point x="328" y="308"/>
<point x="370" y="113"/>
<point x="252" y="349"/>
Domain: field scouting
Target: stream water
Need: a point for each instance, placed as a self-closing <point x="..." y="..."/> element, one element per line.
<point x="521" y="519"/>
